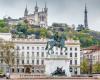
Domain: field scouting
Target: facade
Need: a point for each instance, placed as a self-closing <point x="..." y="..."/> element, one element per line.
<point x="31" y="57"/>
<point x="92" y="54"/>
<point x="38" y="18"/>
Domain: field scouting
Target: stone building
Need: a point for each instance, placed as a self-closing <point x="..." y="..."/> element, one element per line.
<point x="38" y="18"/>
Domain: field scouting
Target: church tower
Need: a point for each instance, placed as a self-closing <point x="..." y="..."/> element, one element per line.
<point x="36" y="8"/>
<point x="26" y="11"/>
<point x="85" y="18"/>
<point x="45" y="9"/>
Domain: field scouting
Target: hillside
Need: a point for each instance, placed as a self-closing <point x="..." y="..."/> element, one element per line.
<point x="23" y="30"/>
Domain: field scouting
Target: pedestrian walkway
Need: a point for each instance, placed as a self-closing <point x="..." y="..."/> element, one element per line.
<point x="44" y="77"/>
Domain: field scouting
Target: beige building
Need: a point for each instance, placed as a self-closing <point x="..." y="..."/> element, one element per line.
<point x="91" y="53"/>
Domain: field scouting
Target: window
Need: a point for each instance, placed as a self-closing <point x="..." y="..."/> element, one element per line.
<point x="37" y="62"/>
<point x="18" y="47"/>
<point x="71" y="69"/>
<point x="75" y="62"/>
<point x="75" y="49"/>
<point x="32" y="48"/>
<point x="75" y="54"/>
<point x="22" y="61"/>
<point x="70" y="62"/>
<point x="28" y="48"/>
<point x="32" y="61"/>
<point x="1" y="60"/>
<point x="75" y="70"/>
<point x="37" y="48"/>
<point x="42" y="54"/>
<point x="32" y="54"/>
<point x="42" y="48"/>
<point x="42" y="61"/>
<point x="22" y="47"/>
<point x="27" y="61"/>
<point x="37" y="54"/>
<point x="66" y="53"/>
<point x="28" y="54"/>
<point x="71" y="49"/>
<point x="32" y="71"/>
<point x="70" y="54"/>
<point x="17" y="61"/>
<point x="12" y="69"/>
<point x="22" y="54"/>
<point x="61" y="53"/>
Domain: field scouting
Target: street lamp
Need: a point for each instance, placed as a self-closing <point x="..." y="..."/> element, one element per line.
<point x="17" y="58"/>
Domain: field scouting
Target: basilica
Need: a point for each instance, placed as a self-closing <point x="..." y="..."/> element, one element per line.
<point x="37" y="18"/>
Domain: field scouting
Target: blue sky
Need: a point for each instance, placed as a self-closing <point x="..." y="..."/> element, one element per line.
<point x="62" y="11"/>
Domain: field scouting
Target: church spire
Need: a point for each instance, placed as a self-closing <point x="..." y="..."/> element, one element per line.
<point x="85" y="17"/>
<point x="36" y="7"/>
<point x="26" y="11"/>
<point x="45" y="9"/>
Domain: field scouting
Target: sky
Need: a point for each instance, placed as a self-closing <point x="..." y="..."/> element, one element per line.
<point x="62" y="11"/>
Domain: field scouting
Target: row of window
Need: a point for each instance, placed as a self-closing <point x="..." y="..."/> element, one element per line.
<point x="42" y="48"/>
<point x="73" y="70"/>
<point x="42" y="54"/>
<point x="22" y="70"/>
<point x="29" y="48"/>
<point x="71" y="54"/>
<point x="33" y="62"/>
<point x="75" y="62"/>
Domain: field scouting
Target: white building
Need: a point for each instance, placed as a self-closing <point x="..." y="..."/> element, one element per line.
<point x="31" y="57"/>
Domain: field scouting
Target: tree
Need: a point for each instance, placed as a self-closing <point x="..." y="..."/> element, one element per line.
<point x="7" y="53"/>
<point x="84" y="66"/>
<point x="96" y="68"/>
<point x="30" y="31"/>
<point x="2" y="23"/>
<point x="43" y="32"/>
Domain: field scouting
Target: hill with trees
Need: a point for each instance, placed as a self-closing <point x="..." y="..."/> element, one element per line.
<point x="87" y="37"/>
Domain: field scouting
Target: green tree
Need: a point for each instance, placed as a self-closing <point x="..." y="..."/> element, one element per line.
<point x="30" y="31"/>
<point x="43" y="32"/>
<point x="96" y="68"/>
<point x="2" y="23"/>
<point x="84" y="66"/>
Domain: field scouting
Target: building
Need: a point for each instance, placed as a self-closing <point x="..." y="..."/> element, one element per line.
<point x="38" y="18"/>
<point x="92" y="54"/>
<point x="31" y="56"/>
